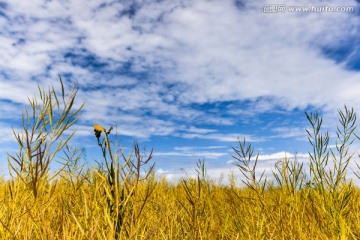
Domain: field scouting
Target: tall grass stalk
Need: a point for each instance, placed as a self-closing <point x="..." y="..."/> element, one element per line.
<point x="122" y="183"/>
<point x="41" y="137"/>
<point x="330" y="177"/>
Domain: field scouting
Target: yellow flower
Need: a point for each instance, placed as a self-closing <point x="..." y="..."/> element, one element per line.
<point x="98" y="128"/>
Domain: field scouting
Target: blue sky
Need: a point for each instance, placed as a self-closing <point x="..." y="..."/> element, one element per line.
<point x="184" y="77"/>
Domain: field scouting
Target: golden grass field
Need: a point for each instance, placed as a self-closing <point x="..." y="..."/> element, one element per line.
<point x="199" y="210"/>
<point x="122" y="198"/>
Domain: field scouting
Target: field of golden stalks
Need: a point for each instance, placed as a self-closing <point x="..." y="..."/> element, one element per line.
<point x="122" y="197"/>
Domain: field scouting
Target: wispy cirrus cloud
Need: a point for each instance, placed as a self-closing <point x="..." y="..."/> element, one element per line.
<point x="173" y="37"/>
<point x="207" y="155"/>
<point x="290" y="132"/>
<point x="221" y="137"/>
<point x="208" y="152"/>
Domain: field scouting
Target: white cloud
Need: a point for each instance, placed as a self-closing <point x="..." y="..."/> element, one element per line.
<point x="278" y="156"/>
<point x="7" y="134"/>
<point x="216" y="51"/>
<point x="16" y="92"/>
<point x="276" y="57"/>
<point x="10" y="111"/>
<point x="290" y="132"/>
<point x="201" y="154"/>
<point x="231" y="137"/>
<point x="200" y="130"/>
<point x="208" y="152"/>
<point x="192" y="148"/>
<point x="282" y="155"/>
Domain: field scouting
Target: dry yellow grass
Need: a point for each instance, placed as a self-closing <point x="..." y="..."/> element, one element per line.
<point x="62" y="211"/>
